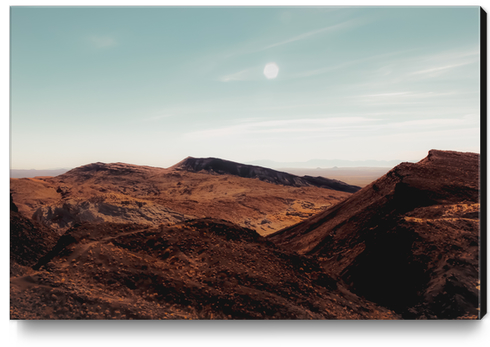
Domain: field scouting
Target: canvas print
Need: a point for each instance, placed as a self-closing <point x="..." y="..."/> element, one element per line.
<point x="220" y="163"/>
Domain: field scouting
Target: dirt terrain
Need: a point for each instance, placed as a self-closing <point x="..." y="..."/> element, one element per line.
<point x="200" y="269"/>
<point x="120" y="241"/>
<point x="124" y="193"/>
<point x="408" y="241"/>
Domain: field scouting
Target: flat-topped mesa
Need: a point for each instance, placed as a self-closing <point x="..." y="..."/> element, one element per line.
<point x="220" y="166"/>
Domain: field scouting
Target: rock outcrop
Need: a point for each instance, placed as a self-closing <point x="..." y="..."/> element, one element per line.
<point x="408" y="241"/>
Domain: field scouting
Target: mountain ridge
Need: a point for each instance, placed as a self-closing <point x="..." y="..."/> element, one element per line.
<point x="407" y="240"/>
<point x="221" y="166"/>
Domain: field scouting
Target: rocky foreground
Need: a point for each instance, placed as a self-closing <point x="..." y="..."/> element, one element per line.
<point x="200" y="269"/>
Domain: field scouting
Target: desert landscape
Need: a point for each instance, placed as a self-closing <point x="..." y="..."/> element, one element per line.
<point x="248" y="163"/>
<point x="250" y="196"/>
<point x="214" y="239"/>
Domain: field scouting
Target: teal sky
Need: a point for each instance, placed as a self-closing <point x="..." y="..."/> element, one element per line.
<point x="151" y="86"/>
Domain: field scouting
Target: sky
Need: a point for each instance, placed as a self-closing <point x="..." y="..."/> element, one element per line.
<point x="153" y="85"/>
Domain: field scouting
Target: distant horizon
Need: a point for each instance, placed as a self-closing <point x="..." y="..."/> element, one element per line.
<point x="151" y="86"/>
<point x="263" y="162"/>
<point x="278" y="166"/>
<point x="251" y="162"/>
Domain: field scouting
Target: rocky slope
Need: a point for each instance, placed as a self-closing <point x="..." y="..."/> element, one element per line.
<point x="199" y="269"/>
<point x="28" y="241"/>
<point x="124" y="193"/>
<point x="408" y="241"/>
<point x="220" y="166"/>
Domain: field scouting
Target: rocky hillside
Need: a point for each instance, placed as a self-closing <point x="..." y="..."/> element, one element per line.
<point x="124" y="193"/>
<point x="29" y="241"/>
<point x="408" y="241"/>
<point x="220" y="166"/>
<point x="199" y="269"/>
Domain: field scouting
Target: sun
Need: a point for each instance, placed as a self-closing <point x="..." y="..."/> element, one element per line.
<point x="271" y="70"/>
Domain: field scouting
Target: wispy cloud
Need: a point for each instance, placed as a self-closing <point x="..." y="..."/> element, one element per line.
<point x="103" y="41"/>
<point x="281" y="126"/>
<point x="243" y="75"/>
<point x="352" y="23"/>
<point x="404" y="79"/>
<point x="156" y="118"/>
<point x="335" y="126"/>
<point x="142" y="119"/>
<point x="401" y="96"/>
<point x="350" y="63"/>
<point x="322" y="71"/>
<point x="437" y="69"/>
<point x="427" y="135"/>
<point x="386" y="94"/>
<point x="435" y="65"/>
<point x="332" y="28"/>
<point x="418" y="124"/>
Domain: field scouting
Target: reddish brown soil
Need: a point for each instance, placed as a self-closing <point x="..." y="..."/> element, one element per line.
<point x="124" y="193"/>
<point x="201" y="269"/>
<point x="408" y="241"/>
<point x="28" y="242"/>
<point x="151" y="243"/>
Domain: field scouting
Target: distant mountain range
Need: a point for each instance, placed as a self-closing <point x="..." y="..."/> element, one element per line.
<point x="313" y="163"/>
<point x="14" y="173"/>
<point x="221" y="166"/>
<point x="325" y="163"/>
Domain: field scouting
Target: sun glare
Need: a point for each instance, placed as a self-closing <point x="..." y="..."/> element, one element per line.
<point x="271" y="70"/>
